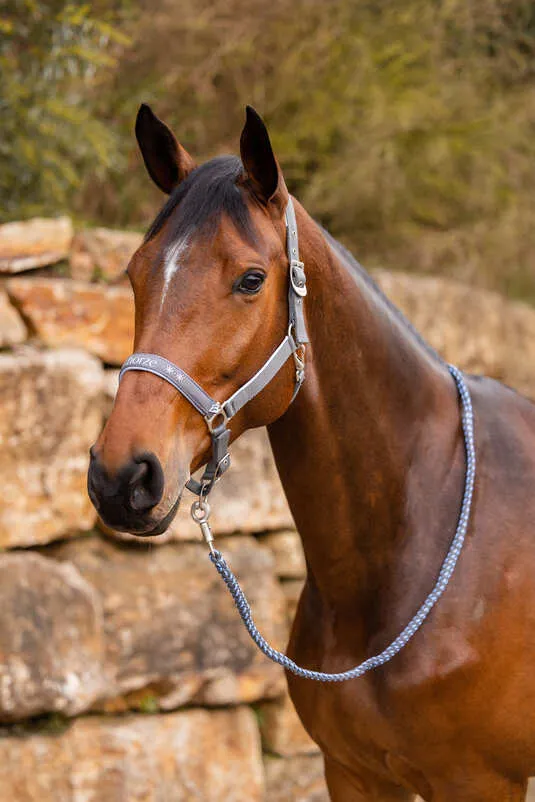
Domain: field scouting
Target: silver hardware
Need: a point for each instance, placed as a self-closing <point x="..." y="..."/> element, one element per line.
<point x="299" y="362"/>
<point x="298" y="356"/>
<point x="217" y="419"/>
<point x="298" y="285"/>
<point x="200" y="512"/>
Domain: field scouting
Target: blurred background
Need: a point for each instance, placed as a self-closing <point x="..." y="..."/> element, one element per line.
<point x="407" y="128"/>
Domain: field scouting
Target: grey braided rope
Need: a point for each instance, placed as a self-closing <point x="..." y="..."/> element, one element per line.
<point x="416" y="622"/>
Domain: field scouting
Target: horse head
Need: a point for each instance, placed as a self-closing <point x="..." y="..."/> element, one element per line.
<point x="210" y="284"/>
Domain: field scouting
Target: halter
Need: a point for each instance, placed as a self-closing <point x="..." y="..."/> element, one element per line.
<point x="217" y="415"/>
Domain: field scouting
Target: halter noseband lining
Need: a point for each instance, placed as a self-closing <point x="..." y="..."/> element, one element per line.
<point x="217" y="414"/>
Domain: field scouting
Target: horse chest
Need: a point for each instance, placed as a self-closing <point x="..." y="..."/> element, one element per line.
<point x="344" y="721"/>
<point x="372" y="720"/>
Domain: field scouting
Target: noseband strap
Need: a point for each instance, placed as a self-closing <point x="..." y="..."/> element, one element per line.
<point x="188" y="387"/>
<point x="215" y="413"/>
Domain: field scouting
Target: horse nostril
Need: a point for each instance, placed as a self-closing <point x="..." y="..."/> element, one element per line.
<point x="146" y="483"/>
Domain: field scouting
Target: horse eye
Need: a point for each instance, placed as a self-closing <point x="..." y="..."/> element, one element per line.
<point x="250" y="283"/>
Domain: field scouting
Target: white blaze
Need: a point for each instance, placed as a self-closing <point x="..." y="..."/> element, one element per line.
<point x="172" y="263"/>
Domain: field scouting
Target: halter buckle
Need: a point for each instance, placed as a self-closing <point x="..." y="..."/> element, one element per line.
<point x="298" y="354"/>
<point x="299" y="357"/>
<point x="298" y="278"/>
<point x="299" y="362"/>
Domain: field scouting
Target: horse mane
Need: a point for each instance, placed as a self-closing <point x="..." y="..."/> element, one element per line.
<point x="347" y="257"/>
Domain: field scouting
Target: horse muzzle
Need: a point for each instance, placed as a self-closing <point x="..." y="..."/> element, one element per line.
<point x="128" y="500"/>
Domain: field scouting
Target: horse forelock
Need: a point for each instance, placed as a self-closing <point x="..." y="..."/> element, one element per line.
<point x="197" y="204"/>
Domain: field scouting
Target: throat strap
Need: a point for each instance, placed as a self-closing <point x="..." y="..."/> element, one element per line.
<point x="297" y="288"/>
<point x="262" y="377"/>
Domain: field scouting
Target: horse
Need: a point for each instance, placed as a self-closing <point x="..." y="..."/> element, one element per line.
<point x="372" y="459"/>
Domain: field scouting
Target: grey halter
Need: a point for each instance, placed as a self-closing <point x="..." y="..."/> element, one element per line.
<point x="218" y="414"/>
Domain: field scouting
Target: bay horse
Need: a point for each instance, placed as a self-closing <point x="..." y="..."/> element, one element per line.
<point x="372" y="459"/>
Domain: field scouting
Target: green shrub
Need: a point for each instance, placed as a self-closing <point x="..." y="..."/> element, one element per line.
<point x="52" y="56"/>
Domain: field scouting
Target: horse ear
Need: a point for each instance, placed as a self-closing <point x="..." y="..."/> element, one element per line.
<point x="259" y="160"/>
<point x="165" y="159"/>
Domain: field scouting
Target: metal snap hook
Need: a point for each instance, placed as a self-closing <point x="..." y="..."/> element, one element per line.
<point x="200" y="512"/>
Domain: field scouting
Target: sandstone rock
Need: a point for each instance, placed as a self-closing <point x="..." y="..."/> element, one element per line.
<point x="193" y="755"/>
<point x="102" y="253"/>
<point x="51" y="638"/>
<point x="12" y="329"/>
<point x="299" y="779"/>
<point x="171" y="625"/>
<point x="288" y="553"/>
<point x="62" y="312"/>
<point x="282" y="732"/>
<point x="479" y="331"/>
<point x="34" y="243"/>
<point x="49" y="416"/>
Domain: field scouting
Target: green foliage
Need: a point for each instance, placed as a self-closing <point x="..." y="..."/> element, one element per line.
<point x="52" y="54"/>
<point x="405" y="127"/>
<point x="149" y="704"/>
<point x="46" y="724"/>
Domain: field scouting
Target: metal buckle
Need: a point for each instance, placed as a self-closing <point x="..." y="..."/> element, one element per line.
<point x="298" y="356"/>
<point x="299" y="362"/>
<point x="298" y="283"/>
<point x="217" y="419"/>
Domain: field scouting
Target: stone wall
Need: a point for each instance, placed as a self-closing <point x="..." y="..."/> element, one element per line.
<point x="125" y="673"/>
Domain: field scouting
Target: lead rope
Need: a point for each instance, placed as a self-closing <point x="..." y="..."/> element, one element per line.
<point x="201" y="512"/>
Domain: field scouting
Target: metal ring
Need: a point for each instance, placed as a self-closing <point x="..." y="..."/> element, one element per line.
<point x="200" y="506"/>
<point x="210" y="419"/>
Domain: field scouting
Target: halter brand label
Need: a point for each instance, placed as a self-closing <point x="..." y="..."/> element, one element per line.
<point x="155" y="364"/>
<point x="143" y="361"/>
<point x="174" y="372"/>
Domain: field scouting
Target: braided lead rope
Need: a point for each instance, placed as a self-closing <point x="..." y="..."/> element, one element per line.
<point x="416" y="622"/>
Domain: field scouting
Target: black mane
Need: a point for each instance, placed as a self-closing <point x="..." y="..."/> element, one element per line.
<point x="209" y="191"/>
<point x="354" y="265"/>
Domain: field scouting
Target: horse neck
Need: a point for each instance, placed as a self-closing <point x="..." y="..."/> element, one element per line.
<point x="376" y="415"/>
